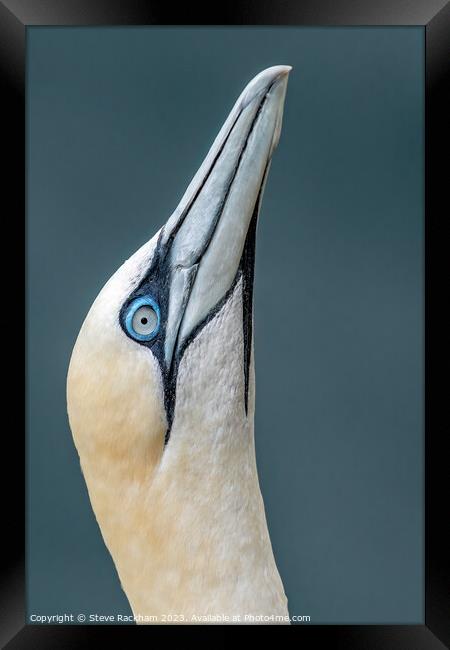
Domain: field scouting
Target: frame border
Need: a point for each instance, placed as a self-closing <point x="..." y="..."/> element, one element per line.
<point x="434" y="17"/>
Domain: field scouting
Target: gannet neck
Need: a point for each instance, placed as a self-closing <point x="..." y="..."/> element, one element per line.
<point x="191" y="538"/>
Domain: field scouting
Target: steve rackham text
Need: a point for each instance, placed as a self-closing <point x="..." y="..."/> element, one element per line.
<point x="61" y="619"/>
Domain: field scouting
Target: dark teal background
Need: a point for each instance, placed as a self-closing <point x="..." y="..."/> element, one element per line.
<point x="118" y="121"/>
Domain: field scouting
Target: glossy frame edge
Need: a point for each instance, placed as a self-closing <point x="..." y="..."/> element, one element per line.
<point x="436" y="23"/>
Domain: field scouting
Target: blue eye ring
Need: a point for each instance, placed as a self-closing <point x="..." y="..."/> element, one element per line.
<point x="143" y="301"/>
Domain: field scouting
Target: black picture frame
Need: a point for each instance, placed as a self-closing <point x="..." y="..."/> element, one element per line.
<point x="434" y="17"/>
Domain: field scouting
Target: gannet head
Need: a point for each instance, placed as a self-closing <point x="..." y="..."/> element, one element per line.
<point x="160" y="383"/>
<point x="125" y="379"/>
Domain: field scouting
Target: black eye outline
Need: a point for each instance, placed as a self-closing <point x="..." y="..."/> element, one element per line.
<point x="142" y="301"/>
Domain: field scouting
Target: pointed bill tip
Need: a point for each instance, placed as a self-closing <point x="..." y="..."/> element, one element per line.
<point x="263" y="81"/>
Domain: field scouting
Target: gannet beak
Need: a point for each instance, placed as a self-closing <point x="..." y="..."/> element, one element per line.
<point x="204" y="239"/>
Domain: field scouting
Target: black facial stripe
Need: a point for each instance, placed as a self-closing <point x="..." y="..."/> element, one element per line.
<point x="170" y="394"/>
<point x="248" y="272"/>
<point x="156" y="283"/>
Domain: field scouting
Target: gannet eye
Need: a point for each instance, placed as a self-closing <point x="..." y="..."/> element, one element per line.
<point x="142" y="319"/>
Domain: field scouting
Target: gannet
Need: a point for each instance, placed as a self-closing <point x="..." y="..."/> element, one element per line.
<point x="161" y="394"/>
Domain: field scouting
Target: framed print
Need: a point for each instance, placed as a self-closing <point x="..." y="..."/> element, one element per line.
<point x="228" y="220"/>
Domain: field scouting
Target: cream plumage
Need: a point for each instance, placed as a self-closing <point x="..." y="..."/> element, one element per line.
<point x="161" y="393"/>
